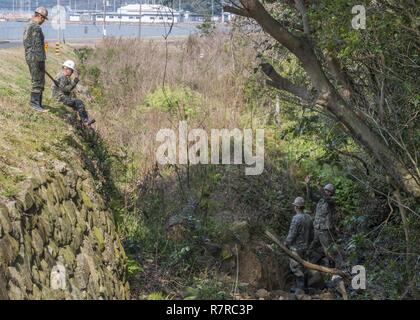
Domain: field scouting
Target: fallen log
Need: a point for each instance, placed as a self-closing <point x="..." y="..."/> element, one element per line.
<point x="306" y="264"/>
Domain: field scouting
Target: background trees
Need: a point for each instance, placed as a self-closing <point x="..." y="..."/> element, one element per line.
<point x="346" y="72"/>
<point x="357" y="91"/>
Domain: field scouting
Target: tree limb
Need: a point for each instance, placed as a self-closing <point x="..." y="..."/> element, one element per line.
<point x="238" y="11"/>
<point x="331" y="100"/>
<point x="281" y="83"/>
<point x="255" y="10"/>
<point x="300" y="6"/>
<point x="300" y="47"/>
<point x="305" y="263"/>
<point x="351" y="155"/>
<point x="339" y="75"/>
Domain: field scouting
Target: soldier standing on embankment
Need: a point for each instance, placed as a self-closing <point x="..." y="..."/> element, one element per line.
<point x="33" y="41"/>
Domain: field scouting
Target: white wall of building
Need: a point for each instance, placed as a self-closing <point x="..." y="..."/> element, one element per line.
<point x="131" y="13"/>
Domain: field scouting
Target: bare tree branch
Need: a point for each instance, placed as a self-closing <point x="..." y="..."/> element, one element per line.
<point x="351" y="155"/>
<point x="306" y="264"/>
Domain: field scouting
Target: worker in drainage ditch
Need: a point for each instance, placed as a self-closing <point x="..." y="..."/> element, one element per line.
<point x="301" y="234"/>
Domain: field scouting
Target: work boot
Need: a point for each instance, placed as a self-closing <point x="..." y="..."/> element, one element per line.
<point x="36" y="102"/>
<point x="40" y="100"/>
<point x="300" y="285"/>
<point x="305" y="281"/>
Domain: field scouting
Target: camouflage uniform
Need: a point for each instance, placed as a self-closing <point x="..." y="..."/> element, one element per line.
<point x="298" y="240"/>
<point x="63" y="94"/>
<point x="33" y="41"/>
<point x="324" y="225"/>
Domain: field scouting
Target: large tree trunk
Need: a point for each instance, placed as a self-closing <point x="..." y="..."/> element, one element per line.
<point x="328" y="97"/>
<point x="372" y="142"/>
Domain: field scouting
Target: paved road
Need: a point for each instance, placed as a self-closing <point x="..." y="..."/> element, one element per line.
<point x="8" y="44"/>
<point x="76" y="42"/>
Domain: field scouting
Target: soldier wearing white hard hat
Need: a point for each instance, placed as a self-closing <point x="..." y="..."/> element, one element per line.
<point x="63" y="91"/>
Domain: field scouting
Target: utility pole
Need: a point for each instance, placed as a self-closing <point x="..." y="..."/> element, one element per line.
<point x="59" y="21"/>
<point x="223" y="14"/>
<point x="212" y="10"/>
<point x="104" y="27"/>
<point x="139" y="19"/>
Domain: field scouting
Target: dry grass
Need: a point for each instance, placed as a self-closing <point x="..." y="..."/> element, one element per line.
<point x="30" y="141"/>
<point x="130" y="71"/>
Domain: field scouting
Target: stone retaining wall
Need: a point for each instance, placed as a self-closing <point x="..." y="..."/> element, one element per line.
<point x="59" y="241"/>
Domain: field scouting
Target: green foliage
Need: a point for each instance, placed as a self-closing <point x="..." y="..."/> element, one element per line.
<point x="9" y="185"/>
<point x="83" y="55"/>
<point x="181" y="101"/>
<point x="157" y="296"/>
<point x="6" y="91"/>
<point x="331" y="21"/>
<point x="133" y="266"/>
<point x="206" y="289"/>
<point x="207" y="27"/>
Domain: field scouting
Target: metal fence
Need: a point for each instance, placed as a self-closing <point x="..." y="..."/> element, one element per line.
<point x="13" y="31"/>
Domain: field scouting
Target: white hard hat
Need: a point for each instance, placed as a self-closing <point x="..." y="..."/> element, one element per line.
<point x="69" y="64"/>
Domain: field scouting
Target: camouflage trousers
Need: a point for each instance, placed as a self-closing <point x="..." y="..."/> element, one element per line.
<point x="37" y="70"/>
<point x="323" y="246"/>
<point x="297" y="269"/>
<point x="77" y="105"/>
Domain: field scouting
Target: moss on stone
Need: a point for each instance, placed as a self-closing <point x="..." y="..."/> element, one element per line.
<point x="100" y="237"/>
<point x="86" y="200"/>
<point x="68" y="256"/>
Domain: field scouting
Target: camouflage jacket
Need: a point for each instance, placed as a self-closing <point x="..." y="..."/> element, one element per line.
<point x="33" y="41"/>
<point x="301" y="232"/>
<point x="65" y="86"/>
<point x="325" y="214"/>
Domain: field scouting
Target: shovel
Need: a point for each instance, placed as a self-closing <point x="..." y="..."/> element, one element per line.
<point x="53" y="80"/>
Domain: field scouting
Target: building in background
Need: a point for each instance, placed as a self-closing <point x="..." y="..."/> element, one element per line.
<point x="149" y="13"/>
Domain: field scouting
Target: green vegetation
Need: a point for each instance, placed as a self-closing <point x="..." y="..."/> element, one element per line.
<point x="299" y="141"/>
<point x="180" y="100"/>
<point x="185" y="227"/>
